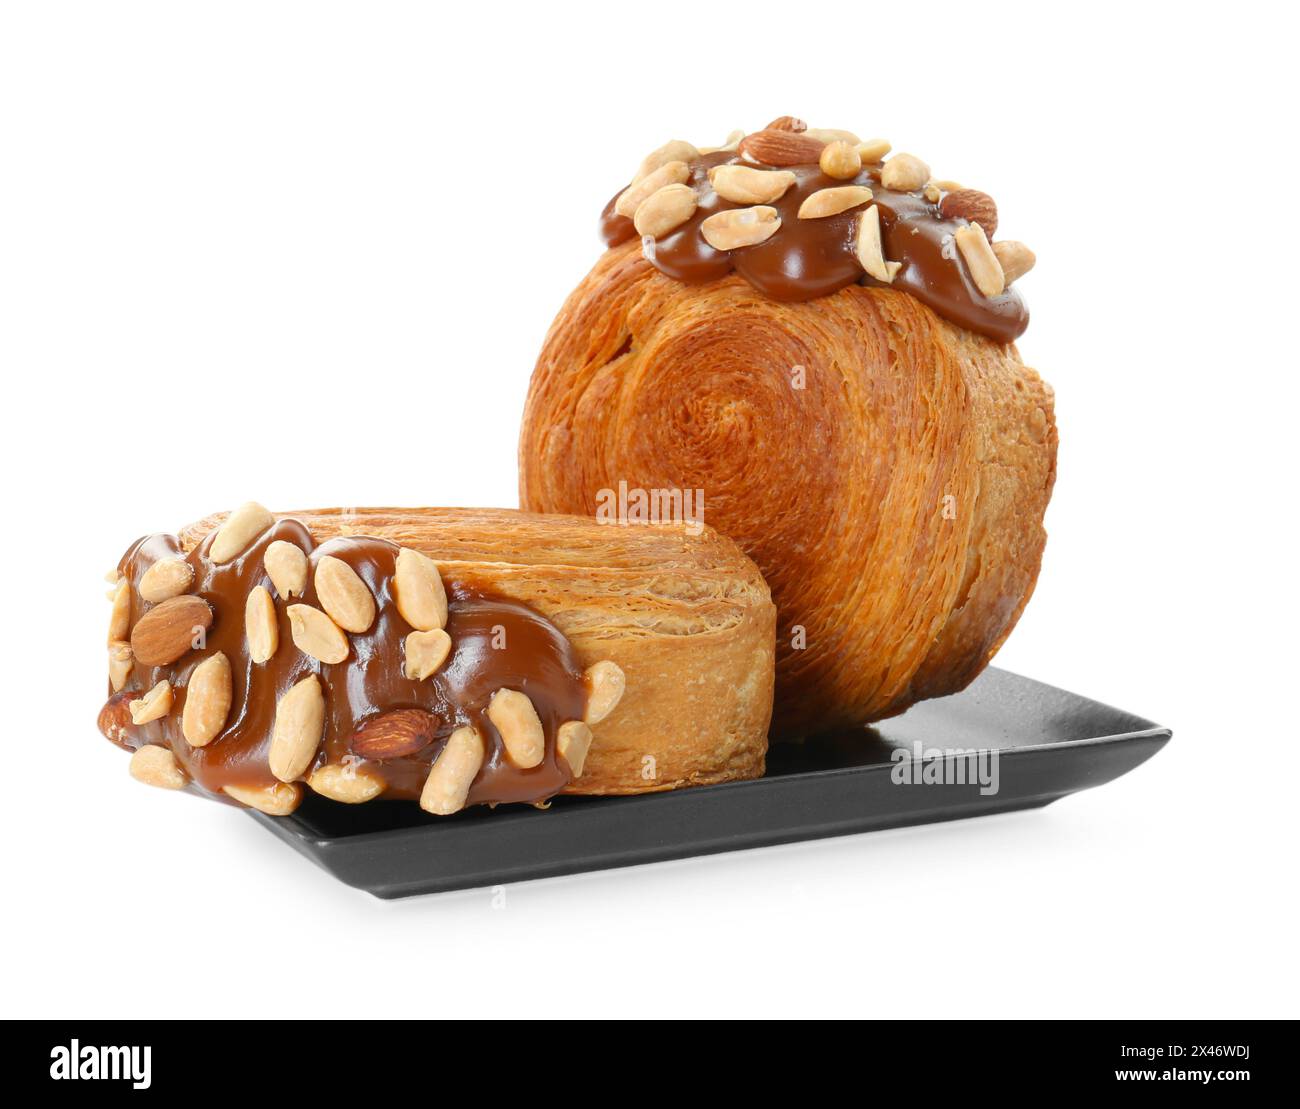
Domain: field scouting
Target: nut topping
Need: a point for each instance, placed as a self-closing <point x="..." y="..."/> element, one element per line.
<point x="746" y="185"/>
<point x="833" y="134"/>
<point x="831" y="202"/>
<point x="350" y="782"/>
<point x="425" y="652"/>
<point x="802" y="261"/>
<point x="740" y="227"/>
<point x="394" y="735"/>
<point x="631" y="198"/>
<point x="114" y="719"/>
<point x="315" y="634"/>
<point x="170" y="629"/>
<point x="840" y="160"/>
<point x="459" y="761"/>
<point x="985" y="269"/>
<point x="279" y="799"/>
<point x="780" y="148"/>
<point x="207" y="700"/>
<point x="120" y="663"/>
<point x="418" y="591"/>
<point x="870" y="252"/>
<point x="119" y="620"/>
<point x="240" y="528"/>
<point x="905" y="172"/>
<point x="166" y="578"/>
<point x="972" y="206"/>
<point x="299" y="728"/>
<point x="261" y="628"/>
<point x="154" y="705"/>
<point x="344" y="595"/>
<point x="572" y="741"/>
<point x="873" y="150"/>
<point x="732" y="141"/>
<point x="157" y="766"/>
<point x="1015" y="258"/>
<point x="665" y="210"/>
<point x="605" y="685"/>
<point x="675" y="151"/>
<point x="286" y="565"/>
<point x="513" y="715"/>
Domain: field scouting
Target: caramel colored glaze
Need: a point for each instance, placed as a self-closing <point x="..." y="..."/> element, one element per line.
<point x="809" y="258"/>
<point x="496" y="643"/>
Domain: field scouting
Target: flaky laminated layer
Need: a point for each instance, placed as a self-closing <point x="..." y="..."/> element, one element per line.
<point x="887" y="471"/>
<point x="374" y="673"/>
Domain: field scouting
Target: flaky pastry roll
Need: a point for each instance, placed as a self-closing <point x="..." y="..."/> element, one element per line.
<point x="448" y="656"/>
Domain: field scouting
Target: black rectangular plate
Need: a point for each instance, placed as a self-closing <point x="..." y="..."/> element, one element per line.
<point x="1049" y="742"/>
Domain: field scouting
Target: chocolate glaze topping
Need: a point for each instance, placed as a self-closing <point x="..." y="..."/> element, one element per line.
<point x="496" y="643"/>
<point x="809" y="258"/>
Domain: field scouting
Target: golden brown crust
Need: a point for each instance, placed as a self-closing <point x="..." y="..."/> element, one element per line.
<point x="894" y="502"/>
<point x="688" y="618"/>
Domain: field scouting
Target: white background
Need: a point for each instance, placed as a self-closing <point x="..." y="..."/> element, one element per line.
<point x="307" y="254"/>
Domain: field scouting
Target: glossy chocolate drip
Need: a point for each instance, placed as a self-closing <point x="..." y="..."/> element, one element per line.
<point x="496" y="643"/>
<point x="809" y="258"/>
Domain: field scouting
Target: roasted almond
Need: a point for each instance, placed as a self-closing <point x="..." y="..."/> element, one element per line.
<point x="572" y="742"/>
<point x="787" y="123"/>
<point x="207" y="700"/>
<point x="739" y="227"/>
<point x="278" y="799"/>
<point x="166" y="578"/>
<point x="665" y="210"/>
<point x="606" y="684"/>
<point x="972" y="206"/>
<point x="157" y="766"/>
<point x="315" y="634"/>
<point x="424" y="653"/>
<point x="831" y="202"/>
<point x="261" y="628"/>
<point x="344" y="595"/>
<point x="747" y="185"/>
<point x="780" y="148"/>
<point x="114" y="721"/>
<point x="631" y="198"/>
<point x="350" y="781"/>
<point x="1016" y="259"/>
<point x="985" y="269"/>
<point x="418" y="591"/>
<point x="905" y="173"/>
<point x="238" y="530"/>
<point x="447" y="786"/>
<point x="299" y="727"/>
<point x="394" y="735"/>
<point x="154" y="705"/>
<point x="171" y="629"/>
<point x="286" y="566"/>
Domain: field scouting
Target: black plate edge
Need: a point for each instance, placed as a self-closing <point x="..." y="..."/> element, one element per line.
<point x="295" y="833"/>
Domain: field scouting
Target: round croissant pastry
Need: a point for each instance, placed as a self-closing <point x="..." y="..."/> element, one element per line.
<point x="839" y="395"/>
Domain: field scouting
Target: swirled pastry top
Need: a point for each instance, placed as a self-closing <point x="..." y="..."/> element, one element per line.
<point x="801" y="213"/>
